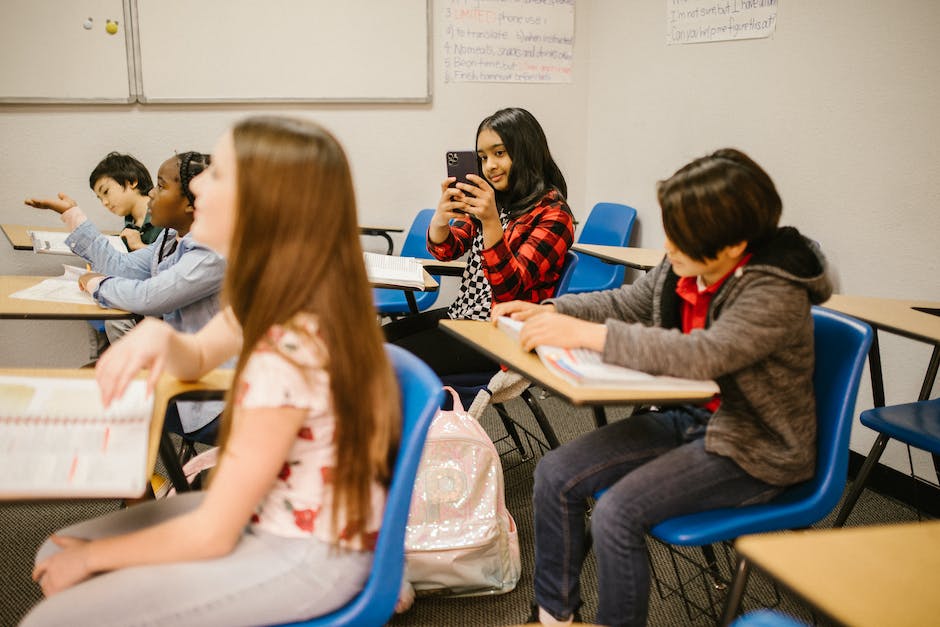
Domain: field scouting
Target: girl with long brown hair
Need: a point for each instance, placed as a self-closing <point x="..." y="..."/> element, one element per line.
<point x="286" y="527"/>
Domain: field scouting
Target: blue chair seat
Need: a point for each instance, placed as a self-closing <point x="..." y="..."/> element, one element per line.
<point x="917" y="424"/>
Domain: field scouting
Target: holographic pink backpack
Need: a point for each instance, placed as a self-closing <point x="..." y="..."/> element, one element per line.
<point x="460" y="539"/>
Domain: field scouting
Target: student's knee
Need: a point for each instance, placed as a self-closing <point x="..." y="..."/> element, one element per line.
<point x="552" y="472"/>
<point x="613" y="521"/>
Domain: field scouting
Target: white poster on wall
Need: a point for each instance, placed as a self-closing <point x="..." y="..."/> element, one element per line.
<point x="508" y="41"/>
<point x="701" y="21"/>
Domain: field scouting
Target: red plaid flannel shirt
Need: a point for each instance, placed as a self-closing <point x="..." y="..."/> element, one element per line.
<point x="526" y="263"/>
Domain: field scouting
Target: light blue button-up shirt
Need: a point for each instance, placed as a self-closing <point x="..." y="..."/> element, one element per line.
<point x="183" y="288"/>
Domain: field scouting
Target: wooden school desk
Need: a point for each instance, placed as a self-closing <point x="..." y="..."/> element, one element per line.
<point x="638" y="258"/>
<point x="430" y="285"/>
<point x="873" y="576"/>
<point x="19" y="238"/>
<point x="212" y="385"/>
<point x="21" y="309"/>
<point x="900" y="317"/>
<point x="494" y="343"/>
<point x="488" y="339"/>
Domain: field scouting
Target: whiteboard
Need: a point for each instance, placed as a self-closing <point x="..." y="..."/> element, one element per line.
<point x="282" y="50"/>
<point x="47" y="54"/>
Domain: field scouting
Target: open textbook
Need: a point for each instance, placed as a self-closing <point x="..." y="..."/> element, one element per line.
<point x="582" y="366"/>
<point x="394" y="270"/>
<point x="53" y="242"/>
<point x="56" y="440"/>
<point x="60" y="289"/>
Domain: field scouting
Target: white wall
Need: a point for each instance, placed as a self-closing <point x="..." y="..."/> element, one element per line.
<point x="396" y="151"/>
<point x="839" y="106"/>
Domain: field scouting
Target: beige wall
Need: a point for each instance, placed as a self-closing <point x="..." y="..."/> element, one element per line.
<point x="839" y="106"/>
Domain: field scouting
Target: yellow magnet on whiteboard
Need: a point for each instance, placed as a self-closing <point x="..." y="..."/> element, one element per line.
<point x="111" y="27"/>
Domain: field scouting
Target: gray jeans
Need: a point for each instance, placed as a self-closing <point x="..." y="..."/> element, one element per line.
<point x="265" y="579"/>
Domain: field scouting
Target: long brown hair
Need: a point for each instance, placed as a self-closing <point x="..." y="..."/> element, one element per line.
<point x="295" y="248"/>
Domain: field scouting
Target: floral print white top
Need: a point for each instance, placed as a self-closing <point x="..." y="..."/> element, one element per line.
<point x="287" y="369"/>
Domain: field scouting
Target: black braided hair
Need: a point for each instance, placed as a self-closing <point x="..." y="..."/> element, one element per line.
<point x="191" y="164"/>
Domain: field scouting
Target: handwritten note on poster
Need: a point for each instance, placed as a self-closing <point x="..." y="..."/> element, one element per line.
<point x="700" y="21"/>
<point x="509" y="41"/>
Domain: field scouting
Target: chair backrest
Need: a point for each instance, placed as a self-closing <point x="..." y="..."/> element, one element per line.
<point x="415" y="244"/>
<point x="421" y="395"/>
<point x="609" y="224"/>
<point x="567" y="273"/>
<point x="841" y="346"/>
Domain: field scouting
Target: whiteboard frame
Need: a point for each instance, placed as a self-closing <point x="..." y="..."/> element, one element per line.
<point x="132" y="82"/>
<point x="138" y="87"/>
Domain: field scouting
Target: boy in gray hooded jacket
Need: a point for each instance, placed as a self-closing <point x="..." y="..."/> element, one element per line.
<point x="730" y="302"/>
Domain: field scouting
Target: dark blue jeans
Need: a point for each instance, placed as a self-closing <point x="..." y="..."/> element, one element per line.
<point x="654" y="467"/>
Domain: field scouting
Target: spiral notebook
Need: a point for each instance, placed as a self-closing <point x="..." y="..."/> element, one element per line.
<point x="56" y="439"/>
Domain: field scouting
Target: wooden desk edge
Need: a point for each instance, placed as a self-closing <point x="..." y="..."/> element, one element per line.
<point x="525" y="363"/>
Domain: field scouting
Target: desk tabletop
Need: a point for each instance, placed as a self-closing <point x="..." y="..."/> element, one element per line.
<point x="19" y="238"/>
<point x="494" y="343"/>
<point x="895" y="315"/>
<point x="430" y="285"/>
<point x="216" y="381"/>
<point x="639" y="258"/>
<point x="21" y="309"/>
<point x="861" y="576"/>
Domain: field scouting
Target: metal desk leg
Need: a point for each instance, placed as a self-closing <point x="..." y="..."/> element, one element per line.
<point x="412" y="303"/>
<point x="172" y="464"/>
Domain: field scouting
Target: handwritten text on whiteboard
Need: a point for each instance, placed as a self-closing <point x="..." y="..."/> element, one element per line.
<point x="513" y="41"/>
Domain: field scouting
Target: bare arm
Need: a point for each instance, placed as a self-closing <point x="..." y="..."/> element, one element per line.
<point x="156" y="345"/>
<point x="260" y="442"/>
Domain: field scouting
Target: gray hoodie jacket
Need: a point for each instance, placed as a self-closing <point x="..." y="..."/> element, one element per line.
<point x="757" y="344"/>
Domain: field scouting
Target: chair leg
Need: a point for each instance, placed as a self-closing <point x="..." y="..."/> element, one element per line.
<point x="859" y="484"/>
<point x="541" y="419"/>
<point x="510" y="427"/>
<point x="711" y="564"/>
<point x="733" y="601"/>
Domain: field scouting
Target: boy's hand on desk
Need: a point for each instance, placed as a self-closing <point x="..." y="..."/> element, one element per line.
<point x="65" y="568"/>
<point x="555" y="329"/>
<point x="90" y="281"/>
<point x="519" y="310"/>
<point x="60" y="205"/>
<point x="146" y="346"/>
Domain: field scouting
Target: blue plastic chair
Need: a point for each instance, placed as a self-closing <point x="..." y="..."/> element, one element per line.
<point x="767" y="618"/>
<point x="609" y="224"/>
<point x="916" y="424"/>
<point x="390" y="302"/>
<point x="841" y="346"/>
<point x="421" y="395"/>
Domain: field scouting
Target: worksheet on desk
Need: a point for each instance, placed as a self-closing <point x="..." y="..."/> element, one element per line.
<point x="61" y="289"/>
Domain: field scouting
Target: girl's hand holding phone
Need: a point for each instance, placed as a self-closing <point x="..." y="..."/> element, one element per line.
<point x="147" y="346"/>
<point x="451" y="204"/>
<point x="479" y="198"/>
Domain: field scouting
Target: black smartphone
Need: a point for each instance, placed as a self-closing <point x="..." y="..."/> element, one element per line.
<point x="460" y="163"/>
